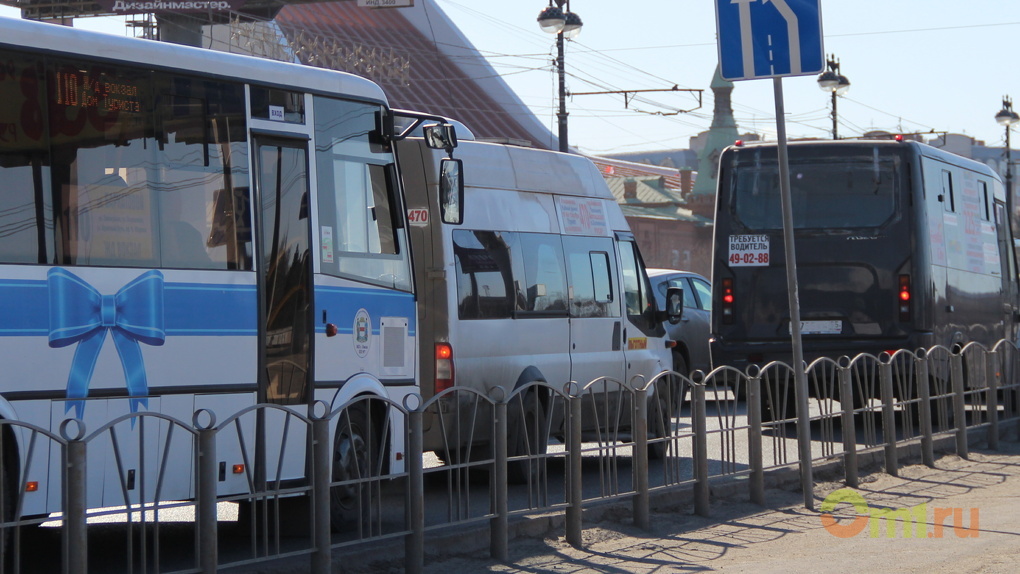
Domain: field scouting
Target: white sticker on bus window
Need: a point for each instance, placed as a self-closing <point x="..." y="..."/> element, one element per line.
<point x="276" y="113"/>
<point x="749" y="250"/>
<point x="582" y="216"/>
<point x="327" y="244"/>
<point x="418" y="217"/>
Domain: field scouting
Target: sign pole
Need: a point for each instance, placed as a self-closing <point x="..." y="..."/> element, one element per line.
<point x="800" y="378"/>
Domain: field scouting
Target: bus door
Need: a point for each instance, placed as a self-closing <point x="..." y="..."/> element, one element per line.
<point x="595" y="322"/>
<point x="285" y="275"/>
<point x="643" y="338"/>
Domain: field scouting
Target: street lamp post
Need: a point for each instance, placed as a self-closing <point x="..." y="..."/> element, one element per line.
<point x="566" y="25"/>
<point x="1007" y="117"/>
<point x="832" y="81"/>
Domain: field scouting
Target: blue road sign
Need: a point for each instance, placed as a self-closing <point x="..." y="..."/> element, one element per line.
<point x="769" y="38"/>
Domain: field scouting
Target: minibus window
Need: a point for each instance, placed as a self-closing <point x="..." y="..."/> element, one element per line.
<point x="484" y="277"/>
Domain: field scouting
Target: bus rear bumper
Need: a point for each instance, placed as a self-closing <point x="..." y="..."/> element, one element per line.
<point x="741" y="355"/>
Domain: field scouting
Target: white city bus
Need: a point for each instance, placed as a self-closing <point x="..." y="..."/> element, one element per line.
<point x="234" y="225"/>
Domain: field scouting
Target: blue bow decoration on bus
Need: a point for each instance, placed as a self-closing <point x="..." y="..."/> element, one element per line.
<point x="81" y="314"/>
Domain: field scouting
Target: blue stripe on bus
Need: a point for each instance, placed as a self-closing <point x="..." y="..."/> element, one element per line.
<point x="203" y="309"/>
<point x="341" y="304"/>
<point x="189" y="309"/>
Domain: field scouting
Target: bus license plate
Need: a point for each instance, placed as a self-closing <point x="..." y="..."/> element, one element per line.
<point x="821" y="327"/>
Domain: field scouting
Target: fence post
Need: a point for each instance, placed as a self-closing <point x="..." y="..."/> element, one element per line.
<point x="414" y="545"/>
<point x="959" y="411"/>
<point x="700" y="422"/>
<point x="640" y="467"/>
<point x="992" y="372"/>
<point x="76" y="557"/>
<point x="206" y="477"/>
<point x="754" y="435"/>
<point x="849" y="427"/>
<point x="575" y="494"/>
<point x="888" y="414"/>
<point x="499" y="531"/>
<point x="924" y="409"/>
<point x="321" y="478"/>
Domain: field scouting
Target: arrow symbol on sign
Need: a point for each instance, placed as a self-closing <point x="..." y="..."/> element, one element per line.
<point x="792" y="31"/>
<point x="746" y="43"/>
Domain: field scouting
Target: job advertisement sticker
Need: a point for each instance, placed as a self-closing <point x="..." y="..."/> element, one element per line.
<point x="749" y="250"/>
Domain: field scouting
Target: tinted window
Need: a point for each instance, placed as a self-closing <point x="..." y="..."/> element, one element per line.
<point x="485" y="283"/>
<point x="115" y="166"/>
<point x="827" y="192"/>
<point x="545" y="277"/>
<point x="690" y="301"/>
<point x="590" y="270"/>
<point x="704" y="293"/>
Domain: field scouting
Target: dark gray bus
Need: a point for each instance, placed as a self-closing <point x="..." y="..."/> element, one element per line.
<point x="899" y="246"/>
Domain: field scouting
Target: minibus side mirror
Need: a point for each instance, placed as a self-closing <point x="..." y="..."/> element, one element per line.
<point x="451" y="191"/>
<point x="674" y="304"/>
<point x="440" y="136"/>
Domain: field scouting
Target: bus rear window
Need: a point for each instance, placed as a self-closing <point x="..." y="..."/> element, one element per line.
<point x="826" y="193"/>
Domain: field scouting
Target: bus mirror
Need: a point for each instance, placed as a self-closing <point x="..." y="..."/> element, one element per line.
<point x="674" y="304"/>
<point x="440" y="136"/>
<point x="451" y="191"/>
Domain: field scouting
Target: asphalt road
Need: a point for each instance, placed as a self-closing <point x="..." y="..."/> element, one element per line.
<point x="742" y="537"/>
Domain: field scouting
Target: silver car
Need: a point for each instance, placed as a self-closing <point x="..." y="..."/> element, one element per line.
<point x="692" y="332"/>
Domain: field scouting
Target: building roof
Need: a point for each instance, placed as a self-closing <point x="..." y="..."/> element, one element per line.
<point x="421" y="60"/>
<point x="673" y="158"/>
<point x="651" y="197"/>
<point x="616" y="168"/>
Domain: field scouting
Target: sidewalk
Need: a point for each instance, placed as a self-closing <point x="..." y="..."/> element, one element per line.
<point x="982" y="494"/>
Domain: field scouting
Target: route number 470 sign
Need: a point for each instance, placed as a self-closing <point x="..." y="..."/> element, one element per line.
<point x="749" y="250"/>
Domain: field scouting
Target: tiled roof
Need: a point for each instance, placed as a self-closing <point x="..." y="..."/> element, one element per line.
<point x="614" y="168"/>
<point x="434" y="80"/>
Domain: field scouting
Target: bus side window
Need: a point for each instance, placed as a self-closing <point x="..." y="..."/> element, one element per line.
<point x="544" y="272"/>
<point x="947" y="197"/>
<point x="484" y="274"/>
<point x="986" y="211"/>
<point x="590" y="272"/>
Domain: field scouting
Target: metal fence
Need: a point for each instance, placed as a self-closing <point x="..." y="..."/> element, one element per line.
<point x="542" y="448"/>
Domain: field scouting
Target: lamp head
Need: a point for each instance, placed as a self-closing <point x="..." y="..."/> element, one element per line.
<point x="551" y="20"/>
<point x="571" y="25"/>
<point x="828" y="81"/>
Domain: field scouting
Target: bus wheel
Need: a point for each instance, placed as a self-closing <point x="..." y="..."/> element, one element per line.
<point x="669" y="397"/>
<point x="526" y="436"/>
<point x="354" y="450"/>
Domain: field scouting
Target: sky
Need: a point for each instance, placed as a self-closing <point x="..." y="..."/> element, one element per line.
<point x="913" y="65"/>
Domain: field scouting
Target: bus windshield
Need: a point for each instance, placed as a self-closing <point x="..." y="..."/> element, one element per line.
<point x="845" y="192"/>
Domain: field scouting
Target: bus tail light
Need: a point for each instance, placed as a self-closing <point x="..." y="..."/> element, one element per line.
<point x="727" y="300"/>
<point x="444" y="367"/>
<point x="904" y="298"/>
